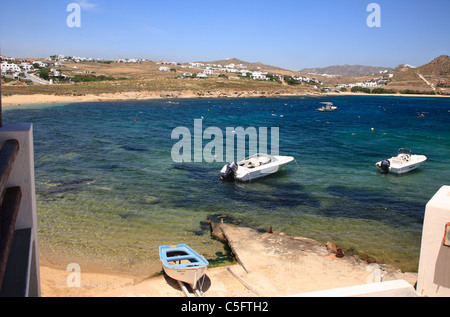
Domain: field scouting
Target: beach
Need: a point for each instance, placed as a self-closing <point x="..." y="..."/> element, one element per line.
<point x="139" y="95"/>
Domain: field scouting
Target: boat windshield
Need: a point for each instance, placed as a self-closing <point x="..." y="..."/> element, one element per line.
<point x="256" y="160"/>
<point x="404" y="151"/>
<point x="262" y="157"/>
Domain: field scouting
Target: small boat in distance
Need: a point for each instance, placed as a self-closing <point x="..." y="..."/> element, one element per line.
<point x="182" y="263"/>
<point x="329" y="107"/>
<point x="255" y="166"/>
<point x="402" y="163"/>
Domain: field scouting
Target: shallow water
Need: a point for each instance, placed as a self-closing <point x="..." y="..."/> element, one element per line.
<point x="109" y="191"/>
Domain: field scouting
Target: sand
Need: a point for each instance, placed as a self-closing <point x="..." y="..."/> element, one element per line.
<point x="46" y="99"/>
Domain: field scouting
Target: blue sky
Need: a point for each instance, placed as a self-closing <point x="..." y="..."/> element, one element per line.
<point x="289" y="34"/>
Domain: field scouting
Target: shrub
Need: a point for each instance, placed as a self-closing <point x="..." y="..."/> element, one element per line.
<point x="360" y="89"/>
<point x="44" y="74"/>
<point x="417" y="92"/>
<point x="383" y="91"/>
<point x="89" y="78"/>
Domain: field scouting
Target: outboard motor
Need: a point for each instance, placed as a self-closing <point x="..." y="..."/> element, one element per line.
<point x="385" y="164"/>
<point x="230" y="172"/>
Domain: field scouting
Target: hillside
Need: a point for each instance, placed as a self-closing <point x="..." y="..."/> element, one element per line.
<point x="146" y="76"/>
<point x="439" y="67"/>
<point x="346" y="70"/>
<point x="256" y="66"/>
<point x="425" y="77"/>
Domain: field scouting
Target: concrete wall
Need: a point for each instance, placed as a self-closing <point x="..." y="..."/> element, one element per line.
<point x="22" y="175"/>
<point x="434" y="265"/>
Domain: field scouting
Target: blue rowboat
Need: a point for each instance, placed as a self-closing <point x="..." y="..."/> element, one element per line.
<point x="182" y="263"/>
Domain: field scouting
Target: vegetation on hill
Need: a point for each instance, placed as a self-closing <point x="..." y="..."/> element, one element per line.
<point x="346" y="70"/>
<point x="91" y="77"/>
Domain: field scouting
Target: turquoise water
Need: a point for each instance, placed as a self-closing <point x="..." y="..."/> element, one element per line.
<point x="108" y="191"/>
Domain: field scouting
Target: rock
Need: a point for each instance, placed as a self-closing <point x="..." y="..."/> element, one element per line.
<point x="149" y="199"/>
<point x="334" y="249"/>
<point x="217" y="232"/>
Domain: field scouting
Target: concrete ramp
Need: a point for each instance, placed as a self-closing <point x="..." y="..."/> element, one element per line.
<point x="276" y="264"/>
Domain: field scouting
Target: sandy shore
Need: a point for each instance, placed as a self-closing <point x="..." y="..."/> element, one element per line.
<point x="45" y="99"/>
<point x="49" y="99"/>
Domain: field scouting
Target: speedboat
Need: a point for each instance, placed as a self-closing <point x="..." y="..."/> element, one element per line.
<point x="327" y="108"/>
<point x="182" y="263"/>
<point x="402" y="163"/>
<point x="255" y="166"/>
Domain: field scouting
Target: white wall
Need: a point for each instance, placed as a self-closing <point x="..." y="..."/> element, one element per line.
<point x="434" y="265"/>
<point x="22" y="174"/>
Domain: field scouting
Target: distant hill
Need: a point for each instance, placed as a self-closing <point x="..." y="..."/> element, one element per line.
<point x="346" y="70"/>
<point x="437" y="68"/>
<point x="425" y="77"/>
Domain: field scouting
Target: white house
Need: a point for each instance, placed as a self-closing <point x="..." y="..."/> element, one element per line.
<point x="197" y="65"/>
<point x="259" y="76"/>
<point x="6" y="58"/>
<point x="164" y="69"/>
<point x="4" y="66"/>
<point x="371" y="84"/>
<point x="54" y="72"/>
<point x="26" y="67"/>
<point x="7" y="67"/>
<point x="41" y="64"/>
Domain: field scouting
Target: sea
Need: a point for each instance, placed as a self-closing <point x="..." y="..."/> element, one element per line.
<point x="109" y="191"/>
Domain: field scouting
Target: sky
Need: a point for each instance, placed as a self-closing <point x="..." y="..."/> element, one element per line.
<point x="292" y="34"/>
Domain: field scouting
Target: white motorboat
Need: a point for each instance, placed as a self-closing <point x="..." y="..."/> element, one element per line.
<point x="402" y="163"/>
<point x="327" y="108"/>
<point x="182" y="263"/>
<point x="255" y="166"/>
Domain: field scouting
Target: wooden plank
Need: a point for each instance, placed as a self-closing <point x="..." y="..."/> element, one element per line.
<point x="8" y="215"/>
<point x="8" y="154"/>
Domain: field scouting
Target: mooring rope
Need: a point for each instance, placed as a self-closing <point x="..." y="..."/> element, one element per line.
<point x="297" y="164"/>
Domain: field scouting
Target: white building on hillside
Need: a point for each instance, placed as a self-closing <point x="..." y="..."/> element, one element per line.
<point x="6" y="58"/>
<point x="41" y="64"/>
<point x="26" y="67"/>
<point x="7" y="67"/>
<point x="259" y="76"/>
<point x="208" y="71"/>
<point x="197" y="65"/>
